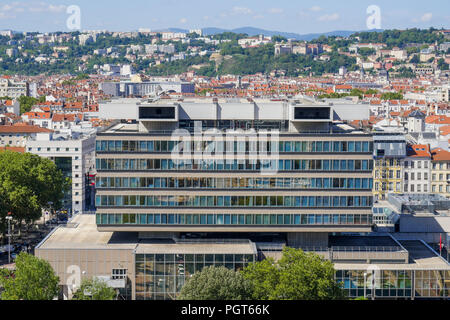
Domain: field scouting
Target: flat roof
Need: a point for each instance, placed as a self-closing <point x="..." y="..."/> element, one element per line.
<point x="362" y="241"/>
<point x="421" y="257"/>
<point x="202" y="248"/>
<point x="83" y="235"/>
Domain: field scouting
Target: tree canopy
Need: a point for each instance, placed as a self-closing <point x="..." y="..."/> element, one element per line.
<point x="296" y="276"/>
<point x="94" y="289"/>
<point x="26" y="103"/>
<point x="216" y="283"/>
<point x="28" y="184"/>
<point x="33" y="279"/>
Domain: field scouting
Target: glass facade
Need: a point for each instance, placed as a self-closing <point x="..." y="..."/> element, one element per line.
<point x="191" y="201"/>
<point x="232" y="219"/>
<point x="235" y="183"/>
<point x="233" y="165"/>
<point x="342" y="184"/>
<point x="161" y="276"/>
<point x="65" y="165"/>
<point x="396" y="283"/>
<point x="164" y="146"/>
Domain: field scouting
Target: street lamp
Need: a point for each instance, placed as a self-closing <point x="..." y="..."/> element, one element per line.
<point x="365" y="279"/>
<point x="9" y="218"/>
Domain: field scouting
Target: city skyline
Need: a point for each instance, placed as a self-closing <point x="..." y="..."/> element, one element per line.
<point x="284" y="16"/>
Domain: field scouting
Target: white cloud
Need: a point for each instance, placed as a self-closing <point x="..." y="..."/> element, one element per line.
<point x="183" y="20"/>
<point x="426" y="17"/>
<point x="329" y="17"/>
<point x="275" y="10"/>
<point x="258" y="16"/>
<point x="241" y="10"/>
<point x="315" y="9"/>
<point x="20" y="6"/>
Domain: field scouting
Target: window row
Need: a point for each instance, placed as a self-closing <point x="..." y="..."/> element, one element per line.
<point x="234" y="165"/>
<point x="235" y="183"/>
<point x="234" y="201"/>
<point x="233" y="219"/>
<point x="234" y="146"/>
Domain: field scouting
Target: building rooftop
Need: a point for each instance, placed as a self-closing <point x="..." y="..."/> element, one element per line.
<point x="82" y="233"/>
<point x="421" y="257"/>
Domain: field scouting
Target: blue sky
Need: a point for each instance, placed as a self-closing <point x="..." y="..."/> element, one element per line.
<point x="299" y="16"/>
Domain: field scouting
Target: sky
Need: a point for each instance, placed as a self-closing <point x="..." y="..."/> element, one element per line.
<point x="296" y="16"/>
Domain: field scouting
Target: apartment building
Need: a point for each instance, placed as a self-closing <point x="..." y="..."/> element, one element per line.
<point x="13" y="89"/>
<point x="17" y="135"/>
<point x="440" y="172"/>
<point x="417" y="169"/>
<point x="75" y="158"/>
<point x="389" y="152"/>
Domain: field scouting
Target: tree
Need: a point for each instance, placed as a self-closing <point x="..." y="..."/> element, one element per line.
<point x="296" y="276"/>
<point x="94" y="289"/>
<point x="391" y="96"/>
<point x="26" y="103"/>
<point x="33" y="279"/>
<point x="442" y="65"/>
<point x="28" y="184"/>
<point x="216" y="283"/>
<point x="415" y="59"/>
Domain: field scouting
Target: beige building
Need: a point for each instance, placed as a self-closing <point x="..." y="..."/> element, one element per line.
<point x="440" y="172"/>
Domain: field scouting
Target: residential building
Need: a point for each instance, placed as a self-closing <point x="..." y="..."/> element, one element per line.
<point x="75" y="158"/>
<point x="18" y="134"/>
<point x="142" y="89"/>
<point x="440" y="172"/>
<point x="417" y="169"/>
<point x="13" y="89"/>
<point x="389" y="151"/>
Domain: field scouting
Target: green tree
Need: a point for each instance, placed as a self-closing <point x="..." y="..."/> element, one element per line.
<point x="296" y="276"/>
<point x="442" y="65"/>
<point x="391" y="96"/>
<point x="216" y="283"/>
<point x="415" y="59"/>
<point x="28" y="184"/>
<point x="26" y="103"/>
<point x="33" y="279"/>
<point x="94" y="289"/>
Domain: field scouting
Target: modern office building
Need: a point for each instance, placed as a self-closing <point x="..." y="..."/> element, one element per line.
<point x="186" y="184"/>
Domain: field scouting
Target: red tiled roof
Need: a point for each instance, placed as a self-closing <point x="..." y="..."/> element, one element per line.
<point x="13" y="149"/>
<point x="419" y="150"/>
<point x="440" y="155"/>
<point x="23" y="128"/>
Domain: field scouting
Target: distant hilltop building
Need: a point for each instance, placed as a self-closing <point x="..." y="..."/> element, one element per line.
<point x="173" y="35"/>
<point x="197" y="31"/>
<point x="299" y="48"/>
<point x="6" y="33"/>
